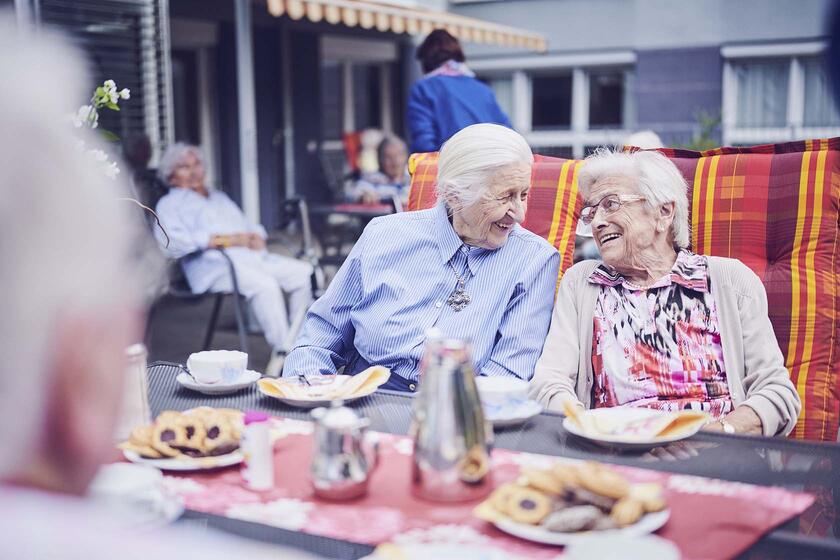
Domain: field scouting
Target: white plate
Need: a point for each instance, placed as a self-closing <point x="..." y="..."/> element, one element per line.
<point x="187" y="463"/>
<point x="441" y="551"/>
<point x="248" y="377"/>
<point x="316" y="402"/>
<point x="647" y="524"/>
<point x="623" y="414"/>
<point x="514" y="415"/>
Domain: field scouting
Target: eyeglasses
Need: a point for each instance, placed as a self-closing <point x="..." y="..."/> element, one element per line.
<point x="610" y="203"/>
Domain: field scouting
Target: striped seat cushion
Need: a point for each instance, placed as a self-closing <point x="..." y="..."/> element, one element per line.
<point x="774" y="207"/>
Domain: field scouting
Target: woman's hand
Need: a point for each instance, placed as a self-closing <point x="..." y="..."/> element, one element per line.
<point x="233" y="240"/>
<point x="255" y="242"/>
<point x="743" y="419"/>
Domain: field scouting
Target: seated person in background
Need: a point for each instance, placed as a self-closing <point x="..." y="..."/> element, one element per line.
<point x="392" y="179"/>
<point x="653" y="324"/>
<point x="465" y="266"/>
<point x="71" y="299"/>
<point x="197" y="218"/>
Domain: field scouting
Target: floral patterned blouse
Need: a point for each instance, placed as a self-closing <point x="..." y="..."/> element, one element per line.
<point x="659" y="347"/>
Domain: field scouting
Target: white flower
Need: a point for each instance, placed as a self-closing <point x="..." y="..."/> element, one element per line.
<point x="111" y="170"/>
<point x="125" y="93"/>
<point x="82" y="115"/>
<point x="109" y="86"/>
<point x="114" y="96"/>
<point x="98" y="155"/>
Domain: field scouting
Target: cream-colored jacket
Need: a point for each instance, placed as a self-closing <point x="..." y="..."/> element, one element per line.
<point x="755" y="367"/>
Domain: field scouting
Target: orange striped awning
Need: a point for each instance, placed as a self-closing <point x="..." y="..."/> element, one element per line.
<point x="398" y="18"/>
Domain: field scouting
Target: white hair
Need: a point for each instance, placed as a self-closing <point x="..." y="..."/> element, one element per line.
<point x="64" y="234"/>
<point x="656" y="178"/>
<point x="469" y="159"/>
<point x="173" y="156"/>
<point x="644" y="139"/>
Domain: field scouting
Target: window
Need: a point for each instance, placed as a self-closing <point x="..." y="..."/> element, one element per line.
<point x="367" y="96"/>
<point x="503" y="89"/>
<point x="820" y="107"/>
<point x="762" y="93"/>
<point x="551" y="103"/>
<point x="777" y="93"/>
<point x="124" y="41"/>
<point x="563" y="103"/>
<point x="606" y="99"/>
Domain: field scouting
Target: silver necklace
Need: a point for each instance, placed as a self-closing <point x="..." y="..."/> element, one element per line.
<point x="458" y="299"/>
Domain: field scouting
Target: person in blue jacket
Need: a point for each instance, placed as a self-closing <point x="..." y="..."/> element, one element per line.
<point x="448" y="97"/>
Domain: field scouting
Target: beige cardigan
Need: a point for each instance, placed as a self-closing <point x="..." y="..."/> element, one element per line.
<point x="755" y="368"/>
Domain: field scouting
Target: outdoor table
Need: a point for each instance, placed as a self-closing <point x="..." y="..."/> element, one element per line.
<point x="356" y="210"/>
<point x="797" y="465"/>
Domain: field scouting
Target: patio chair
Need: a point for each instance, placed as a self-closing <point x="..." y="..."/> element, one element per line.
<point x="177" y="288"/>
<point x="774" y="207"/>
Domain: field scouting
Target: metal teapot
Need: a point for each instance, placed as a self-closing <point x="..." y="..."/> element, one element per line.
<point x="452" y="440"/>
<point x="341" y="467"/>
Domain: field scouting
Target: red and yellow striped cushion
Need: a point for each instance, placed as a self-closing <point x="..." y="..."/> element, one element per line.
<point x="774" y="207"/>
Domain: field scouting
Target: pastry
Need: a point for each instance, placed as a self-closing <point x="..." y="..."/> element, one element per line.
<point x="627" y="511"/>
<point x="527" y="505"/>
<point x="602" y="480"/>
<point x="169" y="433"/>
<point x="220" y="437"/>
<point x="140" y="441"/>
<point x="567" y="474"/>
<point x="500" y="497"/>
<point x="543" y="480"/>
<point x="650" y="495"/>
<point x="573" y="519"/>
<point x="582" y="496"/>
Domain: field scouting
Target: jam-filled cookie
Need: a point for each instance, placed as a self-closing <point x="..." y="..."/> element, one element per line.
<point x="194" y="434"/>
<point x="501" y="496"/>
<point x="527" y="505"/>
<point x="168" y="434"/>
<point x="220" y="437"/>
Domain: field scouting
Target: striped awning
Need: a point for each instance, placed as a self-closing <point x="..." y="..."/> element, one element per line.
<point x="397" y="18"/>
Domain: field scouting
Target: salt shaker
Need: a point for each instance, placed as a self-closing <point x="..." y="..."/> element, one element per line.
<point x="258" y="465"/>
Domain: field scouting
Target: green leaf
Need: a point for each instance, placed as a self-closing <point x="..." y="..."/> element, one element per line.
<point x="112" y="106"/>
<point x="109" y="136"/>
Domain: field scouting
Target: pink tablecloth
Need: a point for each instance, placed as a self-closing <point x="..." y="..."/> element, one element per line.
<point x="709" y="518"/>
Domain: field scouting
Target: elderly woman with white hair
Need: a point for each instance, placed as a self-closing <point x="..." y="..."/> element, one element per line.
<point x="653" y="324"/>
<point x="196" y="218"/>
<point x="465" y="266"/>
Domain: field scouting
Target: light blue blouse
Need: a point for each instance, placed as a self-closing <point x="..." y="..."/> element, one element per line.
<point x="394" y="286"/>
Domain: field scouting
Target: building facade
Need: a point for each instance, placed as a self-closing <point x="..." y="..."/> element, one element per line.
<point x="730" y="72"/>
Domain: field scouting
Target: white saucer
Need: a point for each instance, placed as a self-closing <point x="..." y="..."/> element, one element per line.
<point x="246" y="378"/>
<point x="512" y="415"/>
<point x="318" y="401"/>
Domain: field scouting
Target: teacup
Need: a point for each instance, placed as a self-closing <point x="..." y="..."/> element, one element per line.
<point x="214" y="366"/>
<point x="128" y="486"/>
<point x="501" y="392"/>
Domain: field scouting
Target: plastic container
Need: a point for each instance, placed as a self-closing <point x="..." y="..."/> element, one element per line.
<point x="258" y="465"/>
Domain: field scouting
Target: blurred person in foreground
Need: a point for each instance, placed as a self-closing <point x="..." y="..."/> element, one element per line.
<point x="449" y="97"/>
<point x="465" y="266"/>
<point x="196" y="218"/>
<point x="655" y="325"/>
<point x="70" y="295"/>
<point x="391" y="181"/>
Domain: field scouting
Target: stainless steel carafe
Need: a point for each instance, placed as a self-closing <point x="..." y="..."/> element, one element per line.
<point x="452" y="441"/>
<point x="341" y="466"/>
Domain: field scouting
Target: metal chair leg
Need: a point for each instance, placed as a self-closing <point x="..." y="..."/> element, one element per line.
<point x="240" y="323"/>
<point x="211" y="325"/>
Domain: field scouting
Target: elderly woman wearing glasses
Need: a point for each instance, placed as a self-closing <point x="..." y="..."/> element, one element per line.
<point x="465" y="267"/>
<point x="655" y="325"/>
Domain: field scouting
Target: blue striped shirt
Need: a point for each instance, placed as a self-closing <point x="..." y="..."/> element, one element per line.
<point x="394" y="286"/>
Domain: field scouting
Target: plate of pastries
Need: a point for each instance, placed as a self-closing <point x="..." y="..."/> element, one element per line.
<point x="197" y="439"/>
<point x="570" y="500"/>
